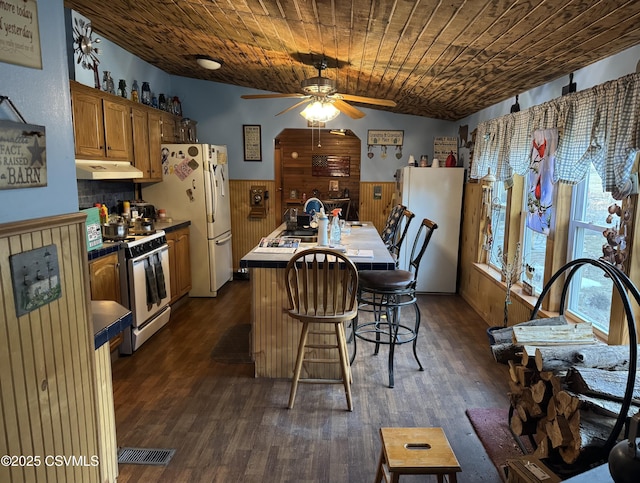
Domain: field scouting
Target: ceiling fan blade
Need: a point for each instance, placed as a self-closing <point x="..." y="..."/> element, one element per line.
<point x="270" y="96"/>
<point x="294" y="106"/>
<point x="348" y="109"/>
<point x="367" y="100"/>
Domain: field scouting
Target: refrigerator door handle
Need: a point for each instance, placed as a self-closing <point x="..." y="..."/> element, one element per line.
<point x="210" y="188"/>
<point x="224" y="240"/>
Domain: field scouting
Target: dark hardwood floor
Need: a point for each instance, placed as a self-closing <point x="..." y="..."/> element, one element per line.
<point x="228" y="426"/>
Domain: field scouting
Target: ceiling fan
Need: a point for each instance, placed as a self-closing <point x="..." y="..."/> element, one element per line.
<point x="323" y="90"/>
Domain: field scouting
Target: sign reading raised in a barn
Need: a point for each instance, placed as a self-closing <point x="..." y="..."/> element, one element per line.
<point x="23" y="160"/>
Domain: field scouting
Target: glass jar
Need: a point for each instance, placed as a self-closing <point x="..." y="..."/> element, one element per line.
<point x="146" y="94"/>
<point x="122" y="88"/>
<point x="135" y="93"/>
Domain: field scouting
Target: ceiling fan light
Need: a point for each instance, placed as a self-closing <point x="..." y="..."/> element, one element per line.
<point x="320" y="111"/>
<point x="208" y="63"/>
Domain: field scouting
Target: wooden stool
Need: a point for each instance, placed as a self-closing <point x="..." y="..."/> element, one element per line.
<point x="416" y="451"/>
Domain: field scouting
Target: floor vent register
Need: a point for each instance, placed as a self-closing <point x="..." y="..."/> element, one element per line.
<point x="145" y="456"/>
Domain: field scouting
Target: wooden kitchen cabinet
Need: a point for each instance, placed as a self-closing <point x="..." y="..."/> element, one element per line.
<point x="146" y="127"/>
<point x="179" y="263"/>
<point x="169" y="128"/>
<point x="104" y="279"/>
<point x="101" y="125"/>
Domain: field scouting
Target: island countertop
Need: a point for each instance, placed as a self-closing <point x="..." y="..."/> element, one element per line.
<point x="274" y="334"/>
<point x="362" y="237"/>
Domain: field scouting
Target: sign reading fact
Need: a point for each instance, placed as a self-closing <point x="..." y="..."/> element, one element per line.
<point x="23" y="160"/>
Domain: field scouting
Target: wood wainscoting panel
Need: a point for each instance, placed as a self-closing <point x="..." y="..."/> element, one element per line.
<point x="47" y="363"/>
<point x="247" y="231"/>
<point x="275" y="335"/>
<point x="376" y="210"/>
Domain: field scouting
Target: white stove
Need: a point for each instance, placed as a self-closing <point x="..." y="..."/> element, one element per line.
<point x="145" y="286"/>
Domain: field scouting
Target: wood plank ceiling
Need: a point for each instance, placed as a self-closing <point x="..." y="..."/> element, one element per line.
<point x="435" y="58"/>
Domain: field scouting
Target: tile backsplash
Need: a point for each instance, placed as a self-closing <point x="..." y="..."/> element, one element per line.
<point x="107" y="192"/>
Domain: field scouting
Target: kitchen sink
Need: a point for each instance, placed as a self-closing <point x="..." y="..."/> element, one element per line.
<point x="305" y="236"/>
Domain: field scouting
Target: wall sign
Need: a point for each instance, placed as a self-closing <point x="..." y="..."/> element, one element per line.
<point x="23" y="159"/>
<point x="384" y="138"/>
<point x="252" y="143"/>
<point x="36" y="278"/>
<point x="19" y="33"/>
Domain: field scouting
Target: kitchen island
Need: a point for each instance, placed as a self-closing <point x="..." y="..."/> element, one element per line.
<point x="275" y="335"/>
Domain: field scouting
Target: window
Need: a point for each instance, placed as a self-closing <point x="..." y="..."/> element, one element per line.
<point x="498" y="223"/>
<point x="534" y="247"/>
<point x="590" y="291"/>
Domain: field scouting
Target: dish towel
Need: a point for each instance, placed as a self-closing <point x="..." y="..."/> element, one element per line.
<point x="160" y="282"/>
<point x="152" y="283"/>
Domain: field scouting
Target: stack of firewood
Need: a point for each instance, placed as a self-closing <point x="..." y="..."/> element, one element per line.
<point x="565" y="387"/>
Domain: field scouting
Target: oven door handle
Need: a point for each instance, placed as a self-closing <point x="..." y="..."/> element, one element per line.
<point x="149" y="254"/>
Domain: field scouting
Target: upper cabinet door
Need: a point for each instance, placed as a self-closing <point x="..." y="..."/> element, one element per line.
<point x="88" y="125"/>
<point x="140" y="141"/>
<point x="117" y="130"/>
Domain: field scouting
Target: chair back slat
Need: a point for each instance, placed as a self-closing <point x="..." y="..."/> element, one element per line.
<point x="321" y="283"/>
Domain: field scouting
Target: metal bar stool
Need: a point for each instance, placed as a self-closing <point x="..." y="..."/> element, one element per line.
<point x="390" y="229"/>
<point x="401" y="234"/>
<point x="384" y="293"/>
<point x="321" y="287"/>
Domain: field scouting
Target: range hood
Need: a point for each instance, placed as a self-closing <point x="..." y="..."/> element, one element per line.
<point x="99" y="169"/>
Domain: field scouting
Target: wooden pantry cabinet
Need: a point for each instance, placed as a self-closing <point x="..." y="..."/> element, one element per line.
<point x="104" y="280"/>
<point x="179" y="263"/>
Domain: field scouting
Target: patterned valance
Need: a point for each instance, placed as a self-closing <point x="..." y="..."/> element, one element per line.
<point x="600" y="125"/>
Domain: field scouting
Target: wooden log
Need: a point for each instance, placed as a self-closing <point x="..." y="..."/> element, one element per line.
<point x="609" y="357"/>
<point x="600" y="356"/>
<point x="502" y="353"/>
<point x="566" y="404"/>
<point x="520" y="427"/>
<point x="606" y="407"/>
<point x="505" y="335"/>
<point x="512" y="371"/>
<point x="524" y="375"/>
<point x="559" y="432"/>
<point x="542" y="445"/>
<point x="611" y="384"/>
<point x="589" y="430"/>
<point x="579" y="333"/>
<point x="538" y="391"/>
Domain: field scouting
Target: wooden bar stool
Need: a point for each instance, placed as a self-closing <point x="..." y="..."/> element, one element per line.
<point x="416" y="451"/>
<point x="322" y="287"/>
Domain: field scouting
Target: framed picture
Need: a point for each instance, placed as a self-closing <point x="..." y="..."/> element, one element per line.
<point x="334" y="185"/>
<point x="252" y="143"/>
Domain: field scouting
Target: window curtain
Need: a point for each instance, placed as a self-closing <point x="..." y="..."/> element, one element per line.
<point x="599" y="125"/>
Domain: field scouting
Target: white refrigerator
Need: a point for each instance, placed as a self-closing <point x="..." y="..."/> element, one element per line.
<point x="436" y="194"/>
<point x="195" y="187"/>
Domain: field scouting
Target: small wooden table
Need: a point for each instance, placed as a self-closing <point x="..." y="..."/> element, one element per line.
<point x="416" y="451"/>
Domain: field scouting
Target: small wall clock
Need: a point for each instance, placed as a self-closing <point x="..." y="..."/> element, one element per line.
<point x="85" y="46"/>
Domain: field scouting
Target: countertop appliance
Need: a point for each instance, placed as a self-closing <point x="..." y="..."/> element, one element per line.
<point x="435" y="194"/>
<point x="195" y="187"/>
<point x="144" y="286"/>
